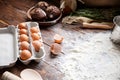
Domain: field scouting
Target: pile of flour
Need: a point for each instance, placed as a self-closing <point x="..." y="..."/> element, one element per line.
<point x="96" y="58"/>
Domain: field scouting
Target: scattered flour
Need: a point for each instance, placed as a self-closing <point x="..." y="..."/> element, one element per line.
<point x="97" y="58"/>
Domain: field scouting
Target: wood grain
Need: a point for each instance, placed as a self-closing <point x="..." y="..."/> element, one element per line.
<point x="14" y="12"/>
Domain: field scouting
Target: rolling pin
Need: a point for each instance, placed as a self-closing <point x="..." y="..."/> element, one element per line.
<point x="9" y="76"/>
<point x="95" y="25"/>
<point x="87" y="22"/>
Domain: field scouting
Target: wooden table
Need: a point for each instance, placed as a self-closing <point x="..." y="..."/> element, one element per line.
<point x="14" y="12"/>
<point x="92" y="66"/>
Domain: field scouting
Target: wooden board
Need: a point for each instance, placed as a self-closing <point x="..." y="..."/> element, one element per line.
<point x="87" y="54"/>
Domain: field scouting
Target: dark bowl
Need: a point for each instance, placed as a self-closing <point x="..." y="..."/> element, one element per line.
<point x="44" y="24"/>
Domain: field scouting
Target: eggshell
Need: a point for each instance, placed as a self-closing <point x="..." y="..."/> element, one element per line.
<point x="22" y="26"/>
<point x="35" y="36"/>
<point x="23" y="37"/>
<point x="25" y="54"/>
<point x="37" y="45"/>
<point x="55" y="49"/>
<point x="24" y="45"/>
<point x="58" y="38"/>
<point x="34" y="30"/>
<point x="23" y="31"/>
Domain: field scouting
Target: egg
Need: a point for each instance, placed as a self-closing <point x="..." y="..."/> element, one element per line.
<point x="24" y="45"/>
<point x="37" y="44"/>
<point x="25" y="54"/>
<point x="23" y="31"/>
<point x="22" y="26"/>
<point x="34" y="30"/>
<point x="23" y="37"/>
<point x="35" y="36"/>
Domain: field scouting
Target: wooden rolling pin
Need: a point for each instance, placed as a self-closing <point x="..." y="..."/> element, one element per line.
<point x="90" y="23"/>
<point x="103" y="25"/>
<point x="9" y="76"/>
<point x="87" y="22"/>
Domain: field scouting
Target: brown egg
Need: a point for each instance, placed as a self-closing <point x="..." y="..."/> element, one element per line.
<point x="37" y="44"/>
<point x="35" y="36"/>
<point x="24" y="45"/>
<point x="34" y="30"/>
<point x="22" y="26"/>
<point x="23" y="37"/>
<point x="23" y="31"/>
<point x="25" y="54"/>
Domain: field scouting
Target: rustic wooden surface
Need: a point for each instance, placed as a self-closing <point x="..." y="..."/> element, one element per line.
<point x="14" y="12"/>
<point x="101" y="65"/>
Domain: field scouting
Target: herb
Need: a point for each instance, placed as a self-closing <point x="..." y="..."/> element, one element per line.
<point x="97" y="13"/>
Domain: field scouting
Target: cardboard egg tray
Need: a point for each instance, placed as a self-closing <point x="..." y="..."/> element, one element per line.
<point x="10" y="45"/>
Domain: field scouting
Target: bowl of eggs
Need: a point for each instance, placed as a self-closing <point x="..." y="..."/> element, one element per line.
<point x="45" y="14"/>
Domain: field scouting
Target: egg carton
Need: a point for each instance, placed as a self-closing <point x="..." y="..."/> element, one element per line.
<point x="10" y="46"/>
